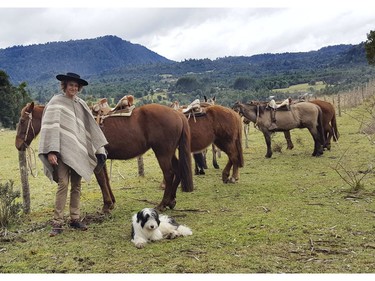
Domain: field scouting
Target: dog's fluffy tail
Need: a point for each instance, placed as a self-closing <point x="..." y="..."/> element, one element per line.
<point x="184" y="230"/>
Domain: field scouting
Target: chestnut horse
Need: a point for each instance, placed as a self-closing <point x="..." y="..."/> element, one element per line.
<point x="151" y="126"/>
<point x="222" y="127"/>
<point x="300" y="115"/>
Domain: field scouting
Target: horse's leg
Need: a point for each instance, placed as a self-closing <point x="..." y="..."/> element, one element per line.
<point x="288" y="139"/>
<point x="176" y="180"/>
<point x="214" y="159"/>
<point x="226" y="172"/>
<point x="329" y="133"/>
<point x="267" y="137"/>
<point x="246" y="131"/>
<point x="169" y="174"/>
<point x="204" y="152"/>
<point x="199" y="163"/>
<point x="108" y="197"/>
<point x="318" y="147"/>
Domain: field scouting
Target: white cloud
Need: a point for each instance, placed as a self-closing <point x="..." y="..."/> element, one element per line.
<point x="182" y="33"/>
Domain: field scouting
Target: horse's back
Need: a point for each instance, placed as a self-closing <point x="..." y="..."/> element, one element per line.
<point x="149" y="126"/>
<point x="327" y="108"/>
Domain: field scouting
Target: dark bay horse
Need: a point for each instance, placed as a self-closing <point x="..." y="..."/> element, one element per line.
<point x="222" y="127"/>
<point x="151" y="126"/>
<point x="329" y="124"/>
<point x="301" y="115"/>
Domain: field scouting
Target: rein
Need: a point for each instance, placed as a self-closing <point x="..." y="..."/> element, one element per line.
<point x="31" y="161"/>
<point x="30" y="156"/>
<point x="257" y="118"/>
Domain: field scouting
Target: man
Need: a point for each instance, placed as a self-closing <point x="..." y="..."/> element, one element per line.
<point x="71" y="146"/>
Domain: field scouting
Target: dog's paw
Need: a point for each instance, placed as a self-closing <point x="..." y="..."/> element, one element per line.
<point x="140" y="245"/>
<point x="171" y="235"/>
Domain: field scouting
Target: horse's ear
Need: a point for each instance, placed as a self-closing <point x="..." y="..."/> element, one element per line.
<point x="205" y="98"/>
<point x="214" y="98"/>
<point x="30" y="108"/>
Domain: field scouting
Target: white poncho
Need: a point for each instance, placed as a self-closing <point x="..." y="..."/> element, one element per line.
<point x="69" y="128"/>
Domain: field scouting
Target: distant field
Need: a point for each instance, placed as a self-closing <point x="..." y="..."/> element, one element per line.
<point x="300" y="88"/>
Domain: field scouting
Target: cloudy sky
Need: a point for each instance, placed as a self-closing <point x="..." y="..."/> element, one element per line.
<point x="194" y="30"/>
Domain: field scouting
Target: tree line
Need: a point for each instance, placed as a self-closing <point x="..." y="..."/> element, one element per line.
<point x="12" y="100"/>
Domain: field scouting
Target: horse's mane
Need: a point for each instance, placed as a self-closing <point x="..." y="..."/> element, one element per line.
<point x="260" y="104"/>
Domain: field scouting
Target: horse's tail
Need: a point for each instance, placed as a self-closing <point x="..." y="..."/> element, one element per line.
<point x="320" y="127"/>
<point x="334" y="128"/>
<point x="184" y="157"/>
<point x="239" y="144"/>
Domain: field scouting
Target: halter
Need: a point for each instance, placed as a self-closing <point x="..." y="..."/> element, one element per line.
<point x="29" y="125"/>
<point x="257" y="114"/>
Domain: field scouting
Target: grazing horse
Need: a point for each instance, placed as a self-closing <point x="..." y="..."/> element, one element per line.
<point x="300" y="115"/>
<point x="222" y="127"/>
<point x="151" y="126"/>
<point x="329" y="124"/>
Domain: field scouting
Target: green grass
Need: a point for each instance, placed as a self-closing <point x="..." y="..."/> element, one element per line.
<point x="288" y="214"/>
<point x="305" y="87"/>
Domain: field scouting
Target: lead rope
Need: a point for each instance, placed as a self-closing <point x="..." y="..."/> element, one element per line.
<point x="31" y="161"/>
<point x="30" y="153"/>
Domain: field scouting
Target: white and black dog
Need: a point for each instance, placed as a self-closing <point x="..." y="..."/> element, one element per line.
<point x="148" y="225"/>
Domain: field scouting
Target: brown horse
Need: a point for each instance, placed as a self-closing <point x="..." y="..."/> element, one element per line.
<point x="222" y="127"/>
<point x="329" y="124"/>
<point x="151" y="126"/>
<point x="300" y="115"/>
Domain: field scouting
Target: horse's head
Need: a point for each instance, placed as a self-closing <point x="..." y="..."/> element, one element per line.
<point x="28" y="127"/>
<point x="210" y="100"/>
<point x="175" y="105"/>
<point x="238" y="107"/>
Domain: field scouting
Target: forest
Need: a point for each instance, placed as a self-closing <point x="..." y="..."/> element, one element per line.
<point x="116" y="67"/>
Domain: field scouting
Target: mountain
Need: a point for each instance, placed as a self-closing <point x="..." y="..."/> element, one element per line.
<point x="115" y="67"/>
<point x="86" y="57"/>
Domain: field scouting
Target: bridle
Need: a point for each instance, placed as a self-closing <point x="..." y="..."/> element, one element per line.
<point x="29" y="125"/>
<point x="240" y="112"/>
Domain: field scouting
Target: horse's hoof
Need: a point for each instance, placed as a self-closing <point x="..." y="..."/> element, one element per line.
<point x="107" y="209"/>
<point x="172" y="204"/>
<point x="232" y="180"/>
<point x="161" y="207"/>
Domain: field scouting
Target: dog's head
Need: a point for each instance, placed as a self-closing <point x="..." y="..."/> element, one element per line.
<point x="148" y="218"/>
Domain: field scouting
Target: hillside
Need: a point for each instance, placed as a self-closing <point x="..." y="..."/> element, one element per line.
<point x="87" y="57"/>
<point x="115" y="67"/>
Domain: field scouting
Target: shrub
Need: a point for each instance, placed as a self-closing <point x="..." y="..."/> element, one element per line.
<point x="9" y="209"/>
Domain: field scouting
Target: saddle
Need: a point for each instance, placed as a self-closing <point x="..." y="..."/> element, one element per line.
<point x="102" y="110"/>
<point x="284" y="106"/>
<point x="195" y="109"/>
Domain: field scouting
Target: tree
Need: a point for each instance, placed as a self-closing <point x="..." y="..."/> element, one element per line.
<point x="187" y="84"/>
<point x="12" y="99"/>
<point x="370" y="47"/>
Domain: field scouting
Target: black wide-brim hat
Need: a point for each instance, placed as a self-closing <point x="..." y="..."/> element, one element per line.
<point x="70" y="76"/>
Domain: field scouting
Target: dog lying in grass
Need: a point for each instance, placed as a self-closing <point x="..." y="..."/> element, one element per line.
<point x="148" y="225"/>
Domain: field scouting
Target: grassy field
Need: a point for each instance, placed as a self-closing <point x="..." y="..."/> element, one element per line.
<point x="301" y="88"/>
<point x="292" y="213"/>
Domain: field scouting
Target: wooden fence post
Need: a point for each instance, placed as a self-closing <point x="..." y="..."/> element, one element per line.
<point x="24" y="181"/>
<point x="339" y="103"/>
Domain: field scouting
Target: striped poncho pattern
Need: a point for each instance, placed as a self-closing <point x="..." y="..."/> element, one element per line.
<point x="69" y="129"/>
